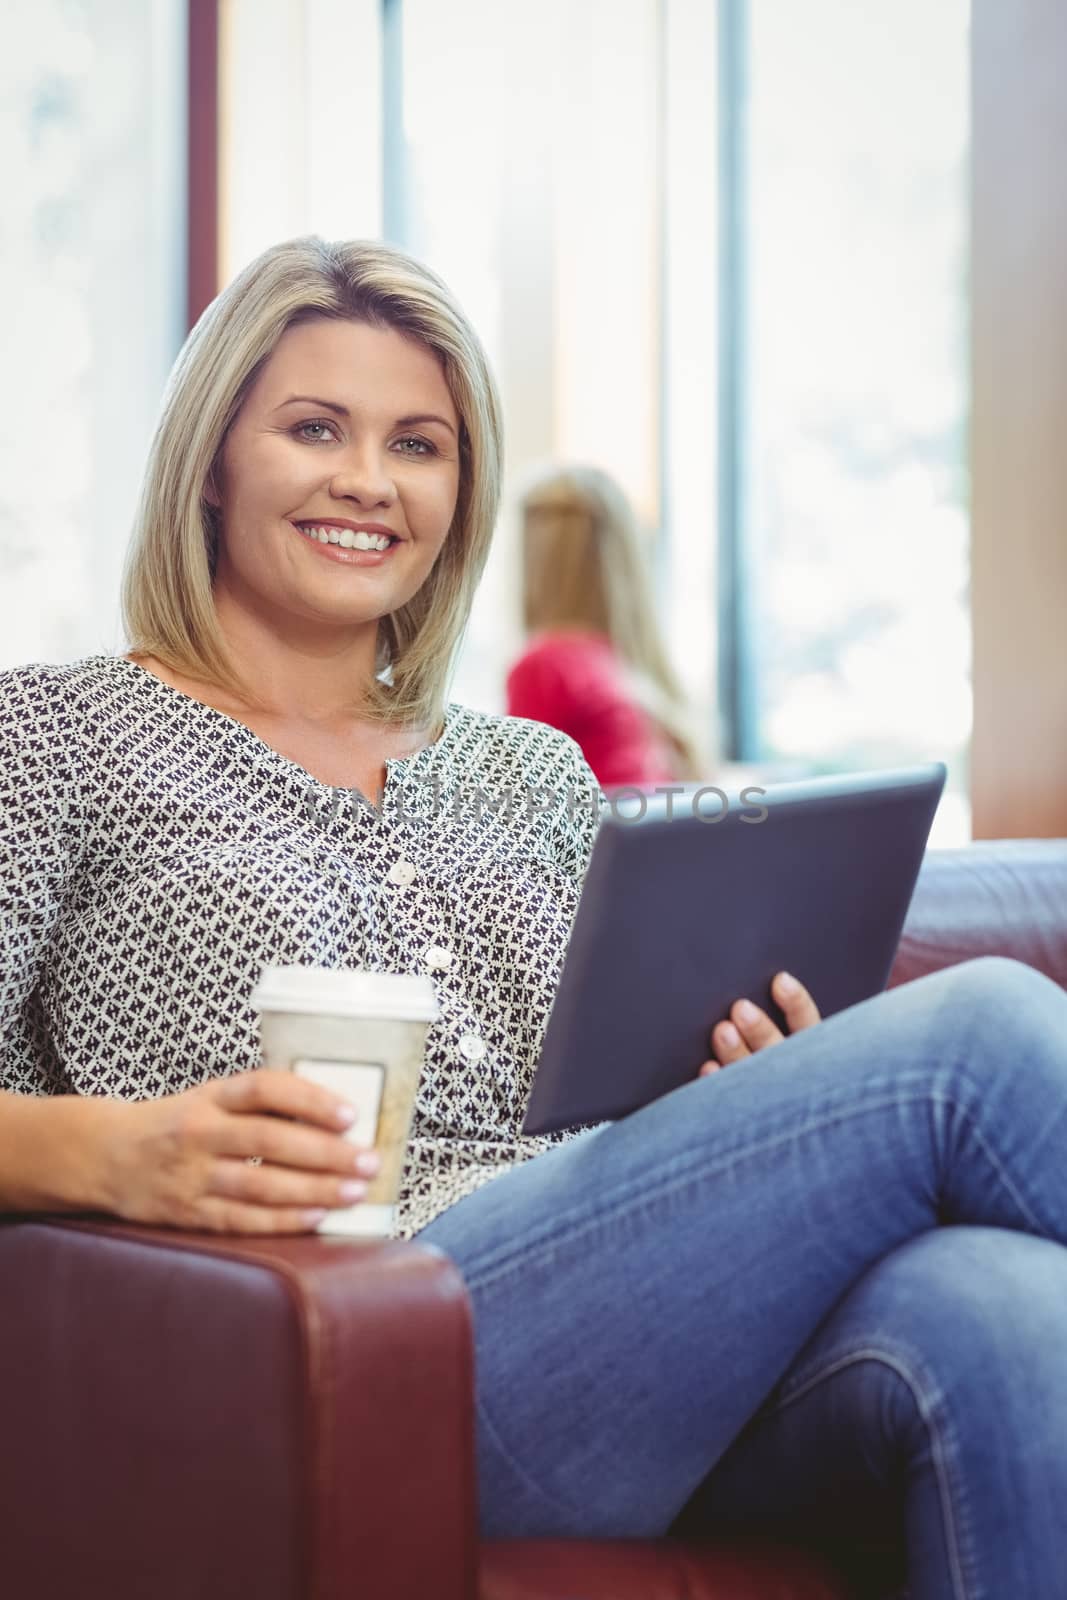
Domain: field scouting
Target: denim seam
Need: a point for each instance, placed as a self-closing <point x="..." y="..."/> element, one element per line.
<point x="515" y="1257"/>
<point x="927" y="1414"/>
<point x="521" y="1472"/>
<point x="1036" y="1226"/>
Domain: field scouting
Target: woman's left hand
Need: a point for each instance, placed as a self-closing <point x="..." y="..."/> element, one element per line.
<point x="750" y="1029"/>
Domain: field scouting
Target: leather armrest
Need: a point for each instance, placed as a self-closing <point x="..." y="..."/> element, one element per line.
<point x="185" y="1415"/>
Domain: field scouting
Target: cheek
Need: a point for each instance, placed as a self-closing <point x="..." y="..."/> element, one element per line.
<point x="430" y="523"/>
<point x="277" y="478"/>
<point x="438" y="506"/>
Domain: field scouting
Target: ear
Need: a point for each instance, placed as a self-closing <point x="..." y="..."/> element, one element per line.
<point x="211" y="493"/>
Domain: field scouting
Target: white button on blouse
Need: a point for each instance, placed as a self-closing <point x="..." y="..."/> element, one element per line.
<point x="472" y="1047"/>
<point x="437" y="957"/>
<point x="402" y="873"/>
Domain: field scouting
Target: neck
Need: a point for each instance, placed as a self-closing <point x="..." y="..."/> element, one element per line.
<point x="310" y="673"/>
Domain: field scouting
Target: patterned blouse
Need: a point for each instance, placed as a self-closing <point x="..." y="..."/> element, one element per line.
<point x="156" y="854"/>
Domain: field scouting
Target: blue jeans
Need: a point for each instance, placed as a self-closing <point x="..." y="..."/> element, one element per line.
<point x="745" y="1295"/>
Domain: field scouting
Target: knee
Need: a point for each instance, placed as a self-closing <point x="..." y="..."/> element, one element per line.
<point x="947" y="1355"/>
<point x="999" y="986"/>
<point x="965" y="1316"/>
<point x="998" y="1013"/>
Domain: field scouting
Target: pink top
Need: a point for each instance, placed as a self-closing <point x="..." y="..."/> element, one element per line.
<point x="574" y="681"/>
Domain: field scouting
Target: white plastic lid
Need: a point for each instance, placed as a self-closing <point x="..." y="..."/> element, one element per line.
<point x="329" y="991"/>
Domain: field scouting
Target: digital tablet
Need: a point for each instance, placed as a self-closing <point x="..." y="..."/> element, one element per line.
<point x="690" y="904"/>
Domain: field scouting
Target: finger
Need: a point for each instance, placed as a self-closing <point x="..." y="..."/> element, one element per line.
<point x="728" y="1044"/>
<point x="797" y="1005"/>
<point x="709" y="1067"/>
<point x="754" y="1025"/>
<point x="214" y="1215"/>
<point x="287" y="1144"/>
<point x="355" y="1159"/>
<point x="280" y="1188"/>
<point x="284" y="1094"/>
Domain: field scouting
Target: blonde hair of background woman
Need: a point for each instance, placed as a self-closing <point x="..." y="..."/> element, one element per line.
<point x="167" y="601"/>
<point x="584" y="567"/>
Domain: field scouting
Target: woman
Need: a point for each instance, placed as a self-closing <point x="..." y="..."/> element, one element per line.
<point x="738" y="1298"/>
<point x="595" y="665"/>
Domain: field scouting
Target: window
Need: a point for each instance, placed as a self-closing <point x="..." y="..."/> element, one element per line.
<point x="848" y="638"/>
<point x="300" y="123"/>
<point x="531" y="164"/>
<point x="716" y="249"/>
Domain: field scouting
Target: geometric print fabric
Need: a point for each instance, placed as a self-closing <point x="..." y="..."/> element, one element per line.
<point x="156" y="854"/>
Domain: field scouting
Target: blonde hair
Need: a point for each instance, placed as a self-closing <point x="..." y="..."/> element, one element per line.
<point x="167" y="600"/>
<point x="584" y="568"/>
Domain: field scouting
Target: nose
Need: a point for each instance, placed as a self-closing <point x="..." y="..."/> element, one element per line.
<point x="365" y="476"/>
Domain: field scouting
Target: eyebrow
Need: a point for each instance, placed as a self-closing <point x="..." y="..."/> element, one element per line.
<point x="343" y="411"/>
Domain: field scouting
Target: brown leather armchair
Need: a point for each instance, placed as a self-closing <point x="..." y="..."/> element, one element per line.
<point x="191" y="1418"/>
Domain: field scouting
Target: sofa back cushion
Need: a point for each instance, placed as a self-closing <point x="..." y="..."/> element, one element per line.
<point x="998" y="897"/>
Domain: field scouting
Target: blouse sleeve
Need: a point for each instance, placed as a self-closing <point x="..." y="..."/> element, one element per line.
<point x="584" y="800"/>
<point x="37" y="845"/>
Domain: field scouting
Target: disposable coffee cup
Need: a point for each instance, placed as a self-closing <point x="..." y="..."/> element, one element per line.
<point x="362" y="1035"/>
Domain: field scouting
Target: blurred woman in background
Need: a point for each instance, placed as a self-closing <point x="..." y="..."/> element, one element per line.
<point x="595" y="665"/>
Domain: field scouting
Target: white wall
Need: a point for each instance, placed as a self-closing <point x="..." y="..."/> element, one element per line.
<point x="92" y="123"/>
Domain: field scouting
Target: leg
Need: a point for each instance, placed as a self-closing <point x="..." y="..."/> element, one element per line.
<point x="935" y="1391"/>
<point x="638" y="1293"/>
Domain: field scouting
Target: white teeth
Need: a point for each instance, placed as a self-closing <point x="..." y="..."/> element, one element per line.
<point x="346" y="538"/>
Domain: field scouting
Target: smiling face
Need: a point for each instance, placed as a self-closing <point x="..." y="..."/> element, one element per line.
<point x="348" y="438"/>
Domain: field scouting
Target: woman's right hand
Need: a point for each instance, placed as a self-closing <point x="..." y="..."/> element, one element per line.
<point x="183" y="1161"/>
